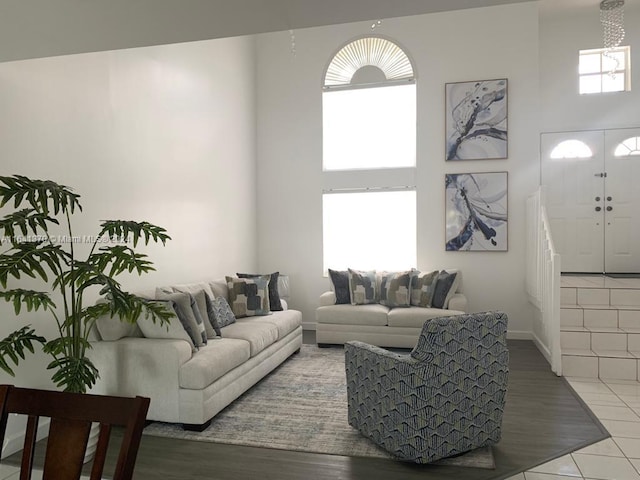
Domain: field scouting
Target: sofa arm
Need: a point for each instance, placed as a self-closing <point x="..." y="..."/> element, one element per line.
<point x="327" y="298"/>
<point x="142" y="366"/>
<point x="458" y="302"/>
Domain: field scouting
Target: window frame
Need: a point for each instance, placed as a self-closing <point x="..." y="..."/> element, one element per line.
<point x="601" y="73"/>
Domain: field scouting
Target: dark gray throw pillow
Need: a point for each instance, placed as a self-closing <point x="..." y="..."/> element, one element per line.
<point x="340" y="281"/>
<point x="211" y="313"/>
<point x="274" y="295"/>
<point x="444" y="284"/>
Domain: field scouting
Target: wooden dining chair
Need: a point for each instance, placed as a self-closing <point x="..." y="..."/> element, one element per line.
<point x="71" y="417"/>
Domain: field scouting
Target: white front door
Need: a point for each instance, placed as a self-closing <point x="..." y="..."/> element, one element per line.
<point x="622" y="201"/>
<point x="574" y="193"/>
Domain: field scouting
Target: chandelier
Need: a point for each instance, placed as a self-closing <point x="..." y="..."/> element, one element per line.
<point x="612" y="20"/>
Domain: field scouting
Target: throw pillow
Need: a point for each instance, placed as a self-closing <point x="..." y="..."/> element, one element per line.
<point x="249" y="296"/>
<point x="188" y="314"/>
<point x="200" y="291"/>
<point x="172" y="329"/>
<point x="422" y="288"/>
<point x="395" y="288"/>
<point x="274" y="296"/>
<point x="222" y="312"/>
<point x="445" y="286"/>
<point x="340" y="286"/>
<point x="362" y="286"/>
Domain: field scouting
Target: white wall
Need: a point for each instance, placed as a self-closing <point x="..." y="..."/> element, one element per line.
<point x="562" y="108"/>
<point x="163" y="134"/>
<point x="476" y="44"/>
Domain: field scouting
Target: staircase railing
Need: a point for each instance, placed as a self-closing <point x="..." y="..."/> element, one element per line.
<point x="543" y="281"/>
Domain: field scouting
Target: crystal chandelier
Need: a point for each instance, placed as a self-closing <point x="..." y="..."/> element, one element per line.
<point x="612" y="20"/>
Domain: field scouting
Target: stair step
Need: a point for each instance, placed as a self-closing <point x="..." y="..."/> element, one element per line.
<point x="580" y="363"/>
<point x="600" y="327"/>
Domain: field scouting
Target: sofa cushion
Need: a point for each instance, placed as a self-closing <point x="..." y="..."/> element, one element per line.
<point x="188" y="314"/>
<point x="416" y="316"/>
<point x="200" y="291"/>
<point x="445" y="286"/>
<point x="259" y="334"/>
<point x="286" y="321"/>
<point x="374" y="314"/>
<point x="219" y="288"/>
<point x="222" y="313"/>
<point x="172" y="330"/>
<point x="422" y="288"/>
<point x="112" y="328"/>
<point x="249" y="296"/>
<point x="212" y="361"/>
<point x="394" y="288"/>
<point x="274" y="295"/>
<point x="362" y="287"/>
<point x="339" y="281"/>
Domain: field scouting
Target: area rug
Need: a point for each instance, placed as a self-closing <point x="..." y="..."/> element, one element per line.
<point x="301" y="406"/>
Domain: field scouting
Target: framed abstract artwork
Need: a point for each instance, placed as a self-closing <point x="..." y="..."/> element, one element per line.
<point x="476" y="212"/>
<point x="476" y="120"/>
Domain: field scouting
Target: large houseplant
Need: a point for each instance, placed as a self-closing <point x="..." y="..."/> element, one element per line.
<point x="40" y="244"/>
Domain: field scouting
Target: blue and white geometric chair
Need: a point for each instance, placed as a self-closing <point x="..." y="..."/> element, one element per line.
<point x="444" y="398"/>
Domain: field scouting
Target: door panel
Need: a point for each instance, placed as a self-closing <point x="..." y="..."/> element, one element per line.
<point x="574" y="190"/>
<point x="622" y="202"/>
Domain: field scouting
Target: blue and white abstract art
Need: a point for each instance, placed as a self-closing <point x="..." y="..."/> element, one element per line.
<point x="476" y="120"/>
<point x="476" y="211"/>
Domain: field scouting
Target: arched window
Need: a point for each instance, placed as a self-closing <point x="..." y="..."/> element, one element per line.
<point x="369" y="124"/>
<point x="571" y="149"/>
<point x="369" y="107"/>
<point x="631" y="146"/>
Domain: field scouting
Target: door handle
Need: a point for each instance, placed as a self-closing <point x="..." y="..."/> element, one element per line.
<point x="609" y="199"/>
<point x="598" y="209"/>
<point x="597" y="199"/>
<point x="609" y="208"/>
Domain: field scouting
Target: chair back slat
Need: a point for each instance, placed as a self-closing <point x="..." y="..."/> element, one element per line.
<point x="29" y="449"/>
<point x="101" y="451"/>
<point x="66" y="446"/>
<point x="71" y="417"/>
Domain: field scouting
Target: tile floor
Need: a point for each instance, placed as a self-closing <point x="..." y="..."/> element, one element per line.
<point x="616" y="403"/>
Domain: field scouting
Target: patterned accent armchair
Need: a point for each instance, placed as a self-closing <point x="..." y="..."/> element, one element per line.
<point x="444" y="398"/>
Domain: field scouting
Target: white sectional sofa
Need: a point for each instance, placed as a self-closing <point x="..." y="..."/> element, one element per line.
<point x="378" y="324"/>
<point x="187" y="386"/>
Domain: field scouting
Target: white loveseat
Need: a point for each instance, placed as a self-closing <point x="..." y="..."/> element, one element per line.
<point x="187" y="386"/>
<point x="378" y="324"/>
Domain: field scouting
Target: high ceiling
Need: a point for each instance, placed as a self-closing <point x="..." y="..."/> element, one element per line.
<point x="41" y="28"/>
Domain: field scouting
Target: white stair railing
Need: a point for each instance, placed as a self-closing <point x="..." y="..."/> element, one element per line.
<point x="543" y="281"/>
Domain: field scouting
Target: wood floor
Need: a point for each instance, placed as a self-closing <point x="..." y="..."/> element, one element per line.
<point x="543" y="419"/>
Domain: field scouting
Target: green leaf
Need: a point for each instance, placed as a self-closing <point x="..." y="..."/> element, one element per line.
<point x="74" y="374"/>
<point x="128" y="230"/>
<point x="13" y="346"/>
<point x="42" y="195"/>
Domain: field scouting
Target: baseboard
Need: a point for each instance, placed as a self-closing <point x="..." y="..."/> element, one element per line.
<point x="546" y="353"/>
<point x="309" y="326"/>
<point x="16" y="428"/>
<point x="519" y="335"/>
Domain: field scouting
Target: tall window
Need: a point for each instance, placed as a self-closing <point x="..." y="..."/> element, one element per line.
<point x="369" y="157"/>
<point x="604" y="70"/>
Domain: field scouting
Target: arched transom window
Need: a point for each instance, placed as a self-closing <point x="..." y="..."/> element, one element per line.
<point x="631" y="146"/>
<point x="571" y="149"/>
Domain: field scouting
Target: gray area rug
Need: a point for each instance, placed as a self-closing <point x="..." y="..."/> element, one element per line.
<point x="301" y="406"/>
